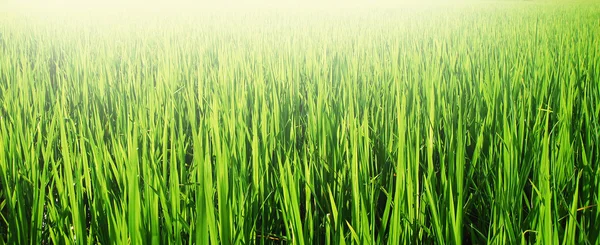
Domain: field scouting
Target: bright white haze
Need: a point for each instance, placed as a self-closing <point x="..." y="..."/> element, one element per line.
<point x="190" y="5"/>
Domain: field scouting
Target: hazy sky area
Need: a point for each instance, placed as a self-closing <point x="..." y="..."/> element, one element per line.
<point x="161" y="5"/>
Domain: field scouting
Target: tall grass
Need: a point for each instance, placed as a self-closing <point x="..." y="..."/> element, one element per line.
<point x="442" y="125"/>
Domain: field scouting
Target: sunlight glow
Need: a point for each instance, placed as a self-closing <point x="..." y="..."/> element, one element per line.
<point x="190" y="5"/>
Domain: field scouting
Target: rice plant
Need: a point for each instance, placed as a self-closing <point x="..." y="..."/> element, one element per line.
<point x="467" y="124"/>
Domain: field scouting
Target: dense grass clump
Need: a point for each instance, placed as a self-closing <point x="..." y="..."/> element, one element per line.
<point x="450" y="125"/>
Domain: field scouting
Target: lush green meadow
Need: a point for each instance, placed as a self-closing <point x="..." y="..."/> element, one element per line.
<point x="467" y="124"/>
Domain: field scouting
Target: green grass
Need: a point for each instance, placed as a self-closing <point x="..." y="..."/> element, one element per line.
<point x="468" y="124"/>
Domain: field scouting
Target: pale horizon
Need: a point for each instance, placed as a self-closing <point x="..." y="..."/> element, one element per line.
<point x="188" y="5"/>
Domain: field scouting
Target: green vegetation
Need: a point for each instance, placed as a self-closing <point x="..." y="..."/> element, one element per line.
<point x="449" y="125"/>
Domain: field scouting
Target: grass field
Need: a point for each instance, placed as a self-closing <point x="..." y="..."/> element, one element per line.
<point x="467" y="124"/>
